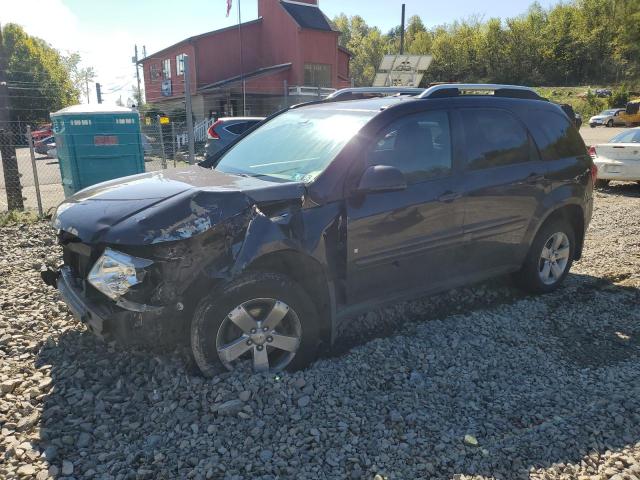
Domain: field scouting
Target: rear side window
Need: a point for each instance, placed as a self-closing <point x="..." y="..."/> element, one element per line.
<point x="237" y="128"/>
<point x="630" y="136"/>
<point x="494" y="138"/>
<point x="418" y="145"/>
<point x="555" y="135"/>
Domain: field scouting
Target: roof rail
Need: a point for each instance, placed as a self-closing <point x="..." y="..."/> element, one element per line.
<point x="455" y="89"/>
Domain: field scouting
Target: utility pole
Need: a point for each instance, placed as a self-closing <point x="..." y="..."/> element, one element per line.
<point x="99" y="92"/>
<point x="7" y="145"/>
<point x="86" y="86"/>
<point x="244" y="83"/>
<point x="135" y="60"/>
<point x="402" y="31"/>
<point x="187" y="101"/>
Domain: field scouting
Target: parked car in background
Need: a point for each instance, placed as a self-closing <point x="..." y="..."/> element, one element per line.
<point x="41" y="146"/>
<point x="225" y="130"/>
<point x="147" y="141"/>
<point x="603" y="92"/>
<point x="43" y="131"/>
<point x="631" y="115"/>
<point x="607" y="118"/>
<point x="619" y="159"/>
<point x="323" y="212"/>
<point x="361" y="93"/>
<point x="52" y="152"/>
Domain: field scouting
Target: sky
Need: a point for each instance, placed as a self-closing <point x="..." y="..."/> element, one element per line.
<point x="105" y="32"/>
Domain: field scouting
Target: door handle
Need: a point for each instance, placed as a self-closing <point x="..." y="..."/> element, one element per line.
<point x="449" y="196"/>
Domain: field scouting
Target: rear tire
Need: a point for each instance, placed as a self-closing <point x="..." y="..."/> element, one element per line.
<point x="602" y="183"/>
<point x="256" y="296"/>
<point x="549" y="259"/>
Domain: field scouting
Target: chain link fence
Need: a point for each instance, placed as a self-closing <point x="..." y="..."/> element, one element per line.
<point x="32" y="178"/>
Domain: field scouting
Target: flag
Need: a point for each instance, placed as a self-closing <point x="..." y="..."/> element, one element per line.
<point x="229" y="6"/>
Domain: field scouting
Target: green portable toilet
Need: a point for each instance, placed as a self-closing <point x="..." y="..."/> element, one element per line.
<point x="96" y="143"/>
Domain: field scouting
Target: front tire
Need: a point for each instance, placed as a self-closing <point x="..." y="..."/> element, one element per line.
<point x="263" y="322"/>
<point x="602" y="183"/>
<point x="610" y="123"/>
<point x="592" y="125"/>
<point x="549" y="259"/>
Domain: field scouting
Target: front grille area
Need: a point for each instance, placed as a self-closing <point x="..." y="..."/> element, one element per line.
<point x="77" y="255"/>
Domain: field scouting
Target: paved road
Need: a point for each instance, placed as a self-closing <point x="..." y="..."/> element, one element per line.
<point x="52" y="193"/>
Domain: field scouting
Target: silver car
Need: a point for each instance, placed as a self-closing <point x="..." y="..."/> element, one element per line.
<point x="225" y="130"/>
<point x="607" y="118"/>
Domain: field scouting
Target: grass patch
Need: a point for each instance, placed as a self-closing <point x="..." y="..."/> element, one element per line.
<point x="16" y="217"/>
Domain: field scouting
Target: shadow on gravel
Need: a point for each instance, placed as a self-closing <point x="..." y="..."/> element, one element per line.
<point x="537" y="381"/>
<point x="625" y="189"/>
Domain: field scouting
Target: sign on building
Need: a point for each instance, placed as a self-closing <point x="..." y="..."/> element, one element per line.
<point x="402" y="70"/>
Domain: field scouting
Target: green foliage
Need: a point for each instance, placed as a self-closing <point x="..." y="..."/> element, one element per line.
<point x="15" y="217"/>
<point x="37" y="76"/>
<point x="573" y="43"/>
<point x="80" y="76"/>
<point x="619" y="98"/>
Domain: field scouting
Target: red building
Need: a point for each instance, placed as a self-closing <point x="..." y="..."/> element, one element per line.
<point x="291" y="50"/>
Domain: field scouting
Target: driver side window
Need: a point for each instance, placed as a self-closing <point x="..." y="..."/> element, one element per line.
<point x="418" y="145"/>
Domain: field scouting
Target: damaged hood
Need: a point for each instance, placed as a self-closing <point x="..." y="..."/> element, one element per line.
<point x="165" y="206"/>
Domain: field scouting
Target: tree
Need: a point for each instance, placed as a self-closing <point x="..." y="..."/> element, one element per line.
<point x="80" y="76"/>
<point x="37" y="76"/>
<point x="367" y="45"/>
<point x="573" y="42"/>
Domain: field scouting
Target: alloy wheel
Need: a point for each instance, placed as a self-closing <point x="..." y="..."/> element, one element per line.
<point x="262" y="332"/>
<point x="554" y="258"/>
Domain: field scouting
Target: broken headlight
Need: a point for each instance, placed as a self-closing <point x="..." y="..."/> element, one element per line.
<point x="114" y="273"/>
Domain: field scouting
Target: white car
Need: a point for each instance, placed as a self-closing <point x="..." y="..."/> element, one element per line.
<point x="619" y="159"/>
<point x="608" y="118"/>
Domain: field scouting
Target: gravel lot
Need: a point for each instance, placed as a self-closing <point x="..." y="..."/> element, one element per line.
<point x="481" y="382"/>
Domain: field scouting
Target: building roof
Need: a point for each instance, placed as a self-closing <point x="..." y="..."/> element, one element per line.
<point x="308" y="16"/>
<point x="249" y="75"/>
<point x="197" y="37"/>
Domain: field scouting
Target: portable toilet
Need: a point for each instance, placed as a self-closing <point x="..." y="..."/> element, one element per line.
<point x="96" y="143"/>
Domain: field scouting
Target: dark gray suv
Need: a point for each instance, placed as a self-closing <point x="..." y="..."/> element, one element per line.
<point x="325" y="211"/>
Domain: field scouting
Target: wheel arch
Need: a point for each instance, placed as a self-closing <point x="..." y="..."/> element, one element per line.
<point x="310" y="275"/>
<point x="575" y="215"/>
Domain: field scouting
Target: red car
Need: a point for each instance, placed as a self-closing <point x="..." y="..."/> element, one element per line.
<point x="43" y="132"/>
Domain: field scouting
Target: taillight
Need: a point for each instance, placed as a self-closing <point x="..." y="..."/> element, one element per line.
<point x="594" y="173"/>
<point x="592" y="152"/>
<point x="211" y="132"/>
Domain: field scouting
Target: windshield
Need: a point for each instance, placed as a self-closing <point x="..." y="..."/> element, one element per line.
<point x="630" y="136"/>
<point x="295" y="146"/>
<point x="608" y="112"/>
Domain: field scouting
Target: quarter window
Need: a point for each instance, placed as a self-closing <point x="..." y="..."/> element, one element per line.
<point x="418" y="145"/>
<point x="494" y="138"/>
<point x="556" y="137"/>
<point x="166" y="68"/>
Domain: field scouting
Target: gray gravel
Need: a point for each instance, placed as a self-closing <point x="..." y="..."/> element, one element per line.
<point x="481" y="382"/>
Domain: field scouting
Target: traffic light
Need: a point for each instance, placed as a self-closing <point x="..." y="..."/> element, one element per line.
<point x="99" y="93"/>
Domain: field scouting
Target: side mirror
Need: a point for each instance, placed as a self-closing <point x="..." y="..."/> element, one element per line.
<point x="382" y="178"/>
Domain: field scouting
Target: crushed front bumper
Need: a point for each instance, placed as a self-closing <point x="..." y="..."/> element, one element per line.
<point x="138" y="325"/>
<point x="90" y="313"/>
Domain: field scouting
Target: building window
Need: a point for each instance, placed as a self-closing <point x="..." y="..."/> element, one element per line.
<point x="166" y="68"/>
<point x="180" y="64"/>
<point x="317" y="75"/>
<point x="155" y="72"/>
